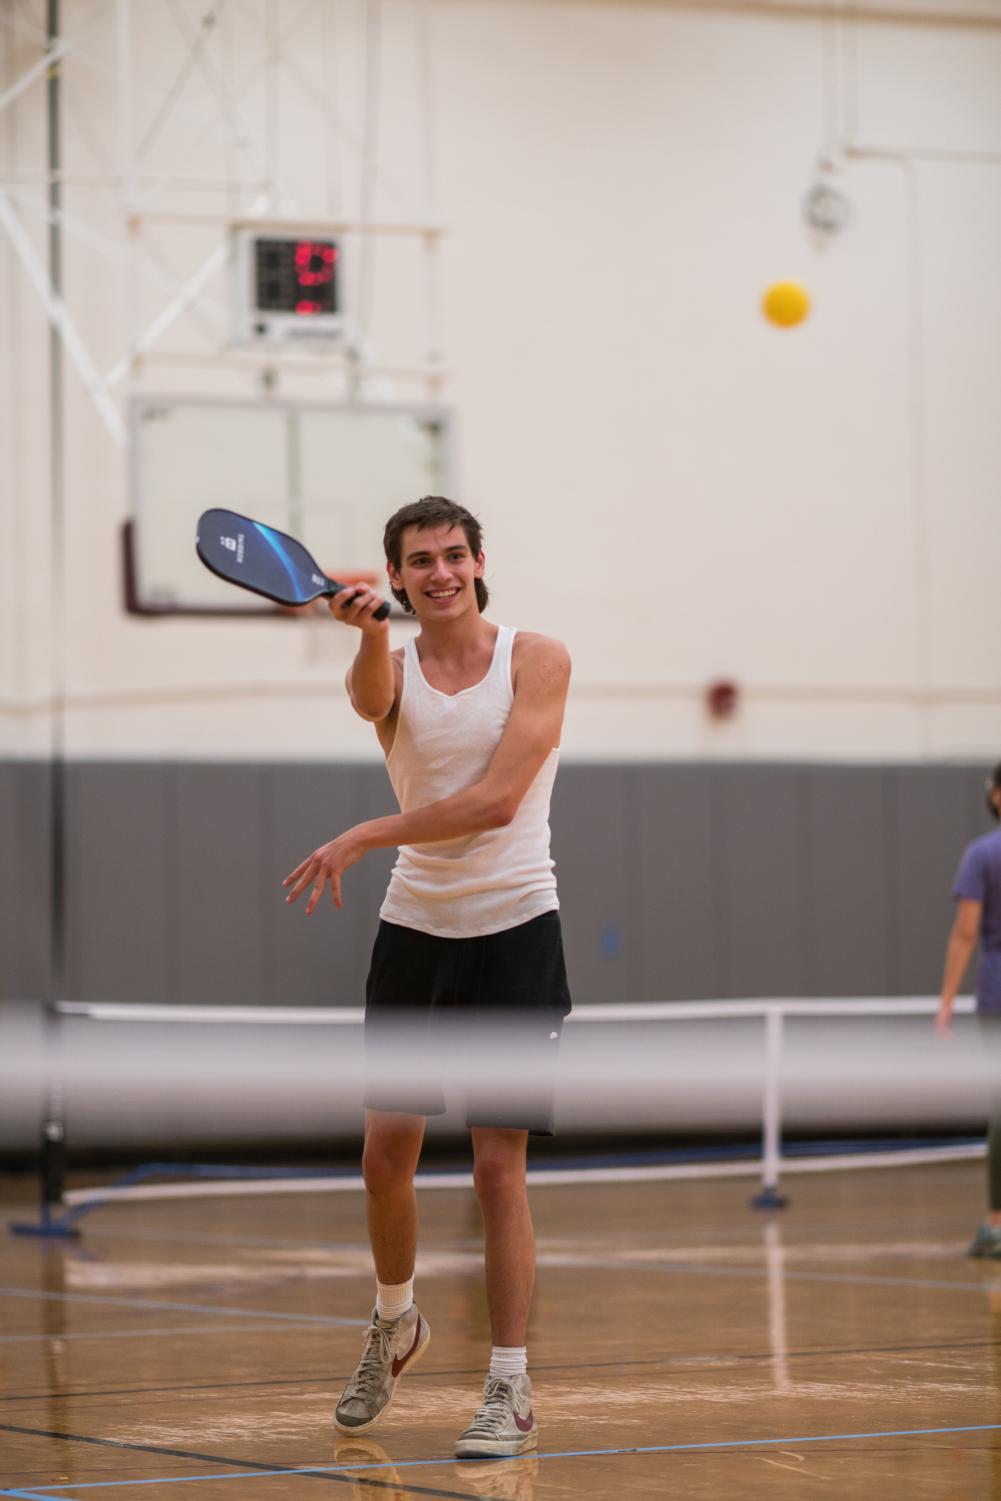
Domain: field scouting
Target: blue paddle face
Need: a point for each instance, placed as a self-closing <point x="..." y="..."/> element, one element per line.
<point x="263" y="559"/>
<point x="258" y="557"/>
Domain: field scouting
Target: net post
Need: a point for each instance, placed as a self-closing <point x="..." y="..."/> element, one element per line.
<point x="52" y="1222"/>
<point x="771" y="1145"/>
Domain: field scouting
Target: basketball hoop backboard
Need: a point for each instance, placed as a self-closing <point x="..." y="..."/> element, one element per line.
<point x="329" y="474"/>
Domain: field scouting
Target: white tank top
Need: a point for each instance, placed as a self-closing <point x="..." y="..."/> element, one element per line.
<point x="479" y="883"/>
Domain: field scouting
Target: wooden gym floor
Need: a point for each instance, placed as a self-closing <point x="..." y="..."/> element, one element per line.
<point x="682" y="1345"/>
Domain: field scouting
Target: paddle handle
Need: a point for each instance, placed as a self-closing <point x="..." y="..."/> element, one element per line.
<point x="382" y="613"/>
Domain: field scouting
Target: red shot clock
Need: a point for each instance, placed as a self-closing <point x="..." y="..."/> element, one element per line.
<point x="286" y="287"/>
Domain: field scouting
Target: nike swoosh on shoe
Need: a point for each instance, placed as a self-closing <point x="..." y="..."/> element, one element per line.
<point x="525" y="1424"/>
<point x="398" y="1364"/>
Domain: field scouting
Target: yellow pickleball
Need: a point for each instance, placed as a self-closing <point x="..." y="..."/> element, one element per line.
<point x="785" y="304"/>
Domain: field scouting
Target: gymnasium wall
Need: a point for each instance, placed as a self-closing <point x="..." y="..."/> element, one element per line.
<point x="677" y="881"/>
<point x="679" y="490"/>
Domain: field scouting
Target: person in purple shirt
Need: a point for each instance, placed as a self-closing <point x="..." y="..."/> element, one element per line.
<point x="977" y="893"/>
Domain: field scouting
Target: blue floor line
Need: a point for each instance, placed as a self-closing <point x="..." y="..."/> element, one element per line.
<point x="412" y="1464"/>
<point x="27" y="1495"/>
<point x="697" y="1269"/>
<point x="212" y="1331"/>
<point x="224" y="1313"/>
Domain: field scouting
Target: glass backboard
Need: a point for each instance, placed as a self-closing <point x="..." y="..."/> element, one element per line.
<point x="329" y="475"/>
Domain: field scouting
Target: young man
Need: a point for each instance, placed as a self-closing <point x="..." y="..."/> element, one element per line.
<point x="469" y="716"/>
<point x="977" y="892"/>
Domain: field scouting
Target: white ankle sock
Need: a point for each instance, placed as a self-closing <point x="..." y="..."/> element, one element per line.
<point x="392" y="1299"/>
<point x="508" y="1360"/>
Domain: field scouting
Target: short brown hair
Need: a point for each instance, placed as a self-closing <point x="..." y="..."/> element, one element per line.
<point x="432" y="510"/>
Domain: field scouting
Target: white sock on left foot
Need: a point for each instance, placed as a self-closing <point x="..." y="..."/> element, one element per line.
<point x="392" y="1299"/>
<point x="508" y="1361"/>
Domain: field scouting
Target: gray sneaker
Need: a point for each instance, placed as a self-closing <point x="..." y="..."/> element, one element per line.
<point x="391" y="1346"/>
<point x="504" y="1424"/>
<point x="986" y="1242"/>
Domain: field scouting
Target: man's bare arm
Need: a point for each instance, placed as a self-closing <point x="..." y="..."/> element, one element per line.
<point x="532" y="731"/>
<point x="371" y="678"/>
<point x="962" y="941"/>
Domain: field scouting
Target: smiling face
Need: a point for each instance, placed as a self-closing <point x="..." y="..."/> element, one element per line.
<point x="438" y="571"/>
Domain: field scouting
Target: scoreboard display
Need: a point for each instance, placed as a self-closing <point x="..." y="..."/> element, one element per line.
<point x="286" y="287"/>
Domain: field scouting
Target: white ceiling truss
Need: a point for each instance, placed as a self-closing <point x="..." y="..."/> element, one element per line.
<point x="199" y="96"/>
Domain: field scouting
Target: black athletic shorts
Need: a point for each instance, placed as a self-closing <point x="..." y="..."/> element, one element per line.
<point x="482" y="1016"/>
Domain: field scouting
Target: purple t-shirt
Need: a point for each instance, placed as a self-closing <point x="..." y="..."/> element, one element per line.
<point x="978" y="879"/>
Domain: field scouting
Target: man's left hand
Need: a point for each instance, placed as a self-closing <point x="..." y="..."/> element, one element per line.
<point x="328" y="863"/>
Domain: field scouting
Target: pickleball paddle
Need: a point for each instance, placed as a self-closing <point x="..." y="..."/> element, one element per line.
<point x="263" y="559"/>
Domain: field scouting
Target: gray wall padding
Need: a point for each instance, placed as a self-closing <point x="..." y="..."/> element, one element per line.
<point x="677" y="881"/>
<point x="25" y="887"/>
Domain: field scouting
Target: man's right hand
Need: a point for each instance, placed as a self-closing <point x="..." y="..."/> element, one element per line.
<point x="355" y="605"/>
